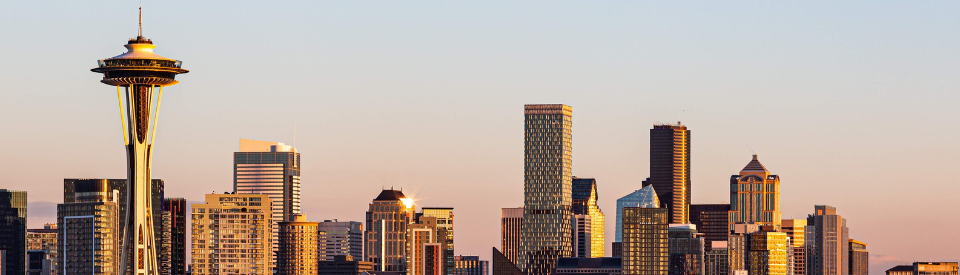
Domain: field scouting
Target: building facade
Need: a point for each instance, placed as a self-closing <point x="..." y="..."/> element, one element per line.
<point x="670" y="169"/>
<point x="298" y="246"/>
<point x="686" y="249"/>
<point x="755" y="196"/>
<point x="511" y="221"/>
<point x="343" y="265"/>
<point x="175" y="216"/>
<point x="547" y="198"/>
<point x="712" y="221"/>
<point x="89" y="230"/>
<point x="45" y="239"/>
<point x="13" y="228"/>
<point x="794" y="228"/>
<point x="272" y="169"/>
<point x="596" y="266"/>
<point x="231" y="234"/>
<point x="645" y="240"/>
<point x="935" y="268"/>
<point x="470" y="265"/>
<point x="716" y="261"/>
<point x="421" y="242"/>
<point x="767" y="254"/>
<point x="826" y="242"/>
<point x="338" y="238"/>
<point x="859" y="258"/>
<point x="645" y="197"/>
<point x="385" y="244"/>
<point x="444" y="217"/>
<point x="589" y="239"/>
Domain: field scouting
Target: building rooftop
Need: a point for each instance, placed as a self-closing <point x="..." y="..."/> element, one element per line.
<point x="390" y="195"/>
<point x="901" y="268"/>
<point x="754" y="166"/>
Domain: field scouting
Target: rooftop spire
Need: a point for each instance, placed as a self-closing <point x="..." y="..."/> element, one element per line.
<point x="140" y="22"/>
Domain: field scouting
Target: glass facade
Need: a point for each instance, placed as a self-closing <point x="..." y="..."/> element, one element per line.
<point x="646" y="197"/>
<point x="794" y="228"/>
<point x="444" y="217"/>
<point x="13" y="228"/>
<point x="670" y="169"/>
<point x="645" y="241"/>
<point x="686" y="250"/>
<point x="90" y="230"/>
<point x="711" y="221"/>
<point x="547" y="198"/>
<point x="755" y="196"/>
<point x="768" y="253"/>
<point x="511" y="220"/>
<point x="338" y="238"/>
<point x="592" y="241"/>
<point x="859" y="258"/>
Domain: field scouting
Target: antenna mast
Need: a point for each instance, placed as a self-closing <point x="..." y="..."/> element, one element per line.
<point x="140" y="22"/>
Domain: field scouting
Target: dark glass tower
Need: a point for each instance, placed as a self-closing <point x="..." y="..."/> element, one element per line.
<point x="13" y="228"/>
<point x="670" y="169"/>
<point x="712" y="222"/>
<point x="176" y="211"/>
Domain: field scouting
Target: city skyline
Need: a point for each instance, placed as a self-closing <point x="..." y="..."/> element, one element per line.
<point x="857" y="148"/>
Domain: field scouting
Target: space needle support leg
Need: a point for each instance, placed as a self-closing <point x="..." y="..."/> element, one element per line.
<point x="123" y="121"/>
<point x="156" y="115"/>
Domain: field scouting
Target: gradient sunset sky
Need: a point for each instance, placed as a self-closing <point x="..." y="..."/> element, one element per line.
<point x="853" y="104"/>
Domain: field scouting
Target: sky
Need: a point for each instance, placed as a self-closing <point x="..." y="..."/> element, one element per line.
<point x="853" y="103"/>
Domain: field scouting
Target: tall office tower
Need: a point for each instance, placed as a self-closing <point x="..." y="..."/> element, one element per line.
<point x="38" y="262"/>
<point x="768" y="253"/>
<point x="755" y="196"/>
<point x="712" y="220"/>
<point x="144" y="74"/>
<point x="593" y="266"/>
<point x="935" y="268"/>
<point x="176" y="209"/>
<point x="717" y="260"/>
<point x="45" y="239"/>
<point x="88" y="230"/>
<point x="859" y="258"/>
<point x="385" y="240"/>
<point x="444" y="217"/>
<point x="273" y="169"/>
<point x="511" y="221"/>
<point x="795" y="230"/>
<point x="433" y="259"/>
<point x="343" y="265"/>
<point x="165" y="245"/>
<point x="645" y="239"/>
<point x="420" y="235"/>
<point x="670" y="169"/>
<point x="13" y="228"/>
<point x="230" y="234"/>
<point x="645" y="197"/>
<point x="685" y="246"/>
<point x="470" y="265"/>
<point x="547" y="198"/>
<point x="503" y="265"/>
<point x="582" y="233"/>
<point x="826" y="242"/>
<point x="336" y="238"/>
<point x="117" y="192"/>
<point x="298" y="246"/>
<point x="585" y="199"/>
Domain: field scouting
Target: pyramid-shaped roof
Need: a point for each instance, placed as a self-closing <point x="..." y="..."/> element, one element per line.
<point x="754" y="166"/>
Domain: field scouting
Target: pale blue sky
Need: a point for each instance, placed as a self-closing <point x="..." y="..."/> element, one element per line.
<point x="853" y="104"/>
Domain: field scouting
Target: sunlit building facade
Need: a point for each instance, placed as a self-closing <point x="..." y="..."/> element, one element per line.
<point x="645" y="197"/>
<point x="272" y="169"/>
<point x="670" y="169"/>
<point x="768" y="253"/>
<point x="470" y="265"/>
<point x="388" y="217"/>
<point x="231" y="234"/>
<point x="794" y="228"/>
<point x="589" y="240"/>
<point x="826" y="242"/>
<point x="859" y="258"/>
<point x="511" y="221"/>
<point x="45" y="239"/>
<point x="935" y="268"/>
<point x="444" y="217"/>
<point x="298" y="246"/>
<point x="421" y="240"/>
<point x="755" y="196"/>
<point x="645" y="240"/>
<point x="89" y="230"/>
<point x="547" y="200"/>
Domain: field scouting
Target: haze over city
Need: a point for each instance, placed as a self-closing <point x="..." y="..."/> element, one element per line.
<point x="852" y="104"/>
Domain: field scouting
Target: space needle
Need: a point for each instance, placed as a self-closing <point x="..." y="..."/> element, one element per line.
<point x="139" y="75"/>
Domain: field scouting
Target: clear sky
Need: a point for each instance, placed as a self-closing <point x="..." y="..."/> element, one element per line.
<point x="853" y="104"/>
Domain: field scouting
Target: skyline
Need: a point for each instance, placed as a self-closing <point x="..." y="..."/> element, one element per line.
<point x="346" y="142"/>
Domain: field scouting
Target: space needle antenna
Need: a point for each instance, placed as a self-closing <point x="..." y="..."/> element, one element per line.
<point x="140" y="21"/>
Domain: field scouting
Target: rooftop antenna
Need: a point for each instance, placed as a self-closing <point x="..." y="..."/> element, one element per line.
<point x="140" y="21"/>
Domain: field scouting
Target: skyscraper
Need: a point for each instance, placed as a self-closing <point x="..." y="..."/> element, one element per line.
<point x="755" y="196"/>
<point x="645" y="238"/>
<point x="273" y="169"/>
<point x="712" y="220"/>
<point x="685" y="245"/>
<point x="231" y="235"/>
<point x="421" y="239"/>
<point x="444" y="217"/>
<point x="176" y="217"/>
<point x="670" y="169"/>
<point x="89" y="228"/>
<point x="338" y="238"/>
<point x="585" y="197"/>
<point x="826" y="242"/>
<point x="511" y="220"/>
<point x="13" y="228"/>
<point x="385" y="243"/>
<point x="548" y="163"/>
<point x="142" y="72"/>
<point x="795" y="231"/>
<point x="767" y="254"/>
<point x="298" y="246"/>
<point x="645" y="197"/>
<point x="859" y="258"/>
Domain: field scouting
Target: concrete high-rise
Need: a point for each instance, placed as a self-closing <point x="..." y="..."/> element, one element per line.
<point x="175" y="215"/>
<point x="547" y="198"/>
<point x="385" y="242"/>
<point x="794" y="228"/>
<point x="445" y="236"/>
<point x="686" y="249"/>
<point x="859" y="258"/>
<point x="298" y="246"/>
<point x="144" y="74"/>
<point x="89" y="232"/>
<point x="645" y="239"/>
<point x="511" y="220"/>
<point x="590" y="241"/>
<point x="272" y="169"/>
<point x="755" y="196"/>
<point x="670" y="169"/>
<point x="231" y="235"/>
<point x="421" y="241"/>
<point x="711" y="221"/>
<point x="826" y="242"/>
<point x="336" y="238"/>
<point x="13" y="228"/>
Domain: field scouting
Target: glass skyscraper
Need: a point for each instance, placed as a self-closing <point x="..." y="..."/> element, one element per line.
<point x="272" y="169"/>
<point x="646" y="197"/>
<point x="755" y="196"/>
<point x="444" y="217"/>
<point x="547" y="199"/>
<point x="645" y="241"/>
<point x="591" y="242"/>
<point x="386" y="231"/>
<point x="511" y="222"/>
<point x="338" y="238"/>
<point x="826" y="242"/>
<point x="670" y="169"/>
<point x="13" y="228"/>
